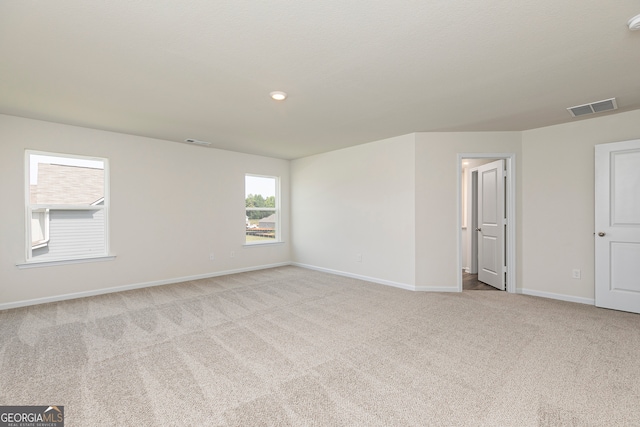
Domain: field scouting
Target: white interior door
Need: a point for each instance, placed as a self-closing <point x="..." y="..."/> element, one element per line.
<point x="617" y="221"/>
<point x="491" y="224"/>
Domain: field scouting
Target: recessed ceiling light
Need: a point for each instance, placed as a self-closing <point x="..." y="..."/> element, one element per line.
<point x="197" y="142"/>
<point x="278" y="95"/>
<point x="634" y="23"/>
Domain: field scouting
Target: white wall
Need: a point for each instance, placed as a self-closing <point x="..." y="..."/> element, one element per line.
<point x="393" y="201"/>
<point x="558" y="202"/>
<point x="358" y="200"/>
<point x="340" y="197"/>
<point x="171" y="206"/>
<point x="436" y="160"/>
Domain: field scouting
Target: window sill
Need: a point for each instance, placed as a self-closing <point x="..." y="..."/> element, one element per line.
<point x="263" y="244"/>
<point x="37" y="264"/>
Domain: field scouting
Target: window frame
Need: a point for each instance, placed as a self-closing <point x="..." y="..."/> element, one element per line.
<point x="31" y="208"/>
<point x="277" y="210"/>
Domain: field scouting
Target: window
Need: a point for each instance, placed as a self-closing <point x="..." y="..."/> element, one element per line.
<point x="262" y="203"/>
<point x="66" y="207"/>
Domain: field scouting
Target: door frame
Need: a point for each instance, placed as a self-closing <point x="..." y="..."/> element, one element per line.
<point x="510" y="207"/>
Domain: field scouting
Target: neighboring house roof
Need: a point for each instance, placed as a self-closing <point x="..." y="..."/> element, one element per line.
<point x="67" y="185"/>
<point x="270" y="218"/>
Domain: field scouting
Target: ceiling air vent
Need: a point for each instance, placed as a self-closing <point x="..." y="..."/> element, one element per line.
<point x="594" y="107"/>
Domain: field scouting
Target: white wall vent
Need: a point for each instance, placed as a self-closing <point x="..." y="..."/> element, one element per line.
<point x="594" y="107"/>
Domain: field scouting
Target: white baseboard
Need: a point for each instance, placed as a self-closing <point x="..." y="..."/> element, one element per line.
<point x="357" y="276"/>
<point x="83" y="294"/>
<point x="55" y="298"/>
<point x="561" y="297"/>
<point x="376" y="280"/>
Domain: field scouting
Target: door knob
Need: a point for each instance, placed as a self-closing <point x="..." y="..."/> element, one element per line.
<point x="478" y="229"/>
<point x="602" y="234"/>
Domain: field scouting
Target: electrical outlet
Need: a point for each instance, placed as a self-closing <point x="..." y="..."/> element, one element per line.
<point x="211" y="256"/>
<point x="359" y="257"/>
<point x="576" y="274"/>
<point x="232" y="254"/>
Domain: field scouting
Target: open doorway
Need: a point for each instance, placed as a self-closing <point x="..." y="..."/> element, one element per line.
<point x="486" y="226"/>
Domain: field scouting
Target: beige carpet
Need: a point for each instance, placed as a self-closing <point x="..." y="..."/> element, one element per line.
<point x="294" y="347"/>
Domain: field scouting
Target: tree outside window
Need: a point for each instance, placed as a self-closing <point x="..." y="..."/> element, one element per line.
<point x="262" y="209"/>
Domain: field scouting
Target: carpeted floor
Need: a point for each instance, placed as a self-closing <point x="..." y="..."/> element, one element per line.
<point x="294" y="347"/>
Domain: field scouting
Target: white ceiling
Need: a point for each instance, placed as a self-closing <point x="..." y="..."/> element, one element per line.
<point x="355" y="71"/>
